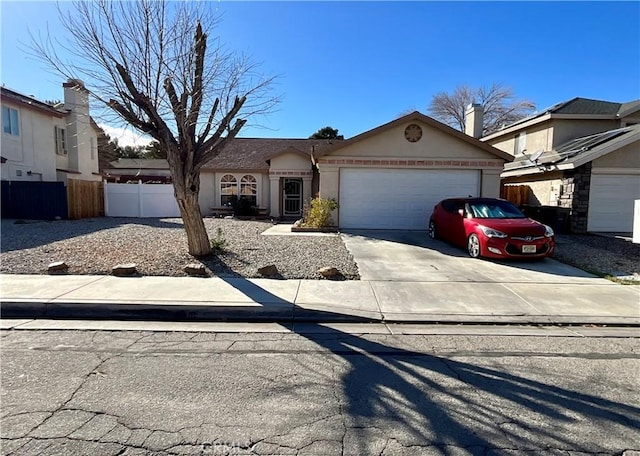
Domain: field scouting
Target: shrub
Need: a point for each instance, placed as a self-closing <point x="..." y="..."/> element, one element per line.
<point x="218" y="242"/>
<point x="318" y="214"/>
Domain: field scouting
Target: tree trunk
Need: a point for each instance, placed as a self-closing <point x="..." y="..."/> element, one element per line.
<point x="187" y="198"/>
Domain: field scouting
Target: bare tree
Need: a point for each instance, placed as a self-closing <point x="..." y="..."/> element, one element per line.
<point x="152" y="63"/>
<point x="499" y="102"/>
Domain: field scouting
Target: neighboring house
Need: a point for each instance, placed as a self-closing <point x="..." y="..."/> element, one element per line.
<point x="582" y="155"/>
<point x="386" y="178"/>
<point x="126" y="170"/>
<point x="41" y="142"/>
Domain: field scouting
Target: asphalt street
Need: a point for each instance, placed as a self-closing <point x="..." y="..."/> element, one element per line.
<point x="318" y="392"/>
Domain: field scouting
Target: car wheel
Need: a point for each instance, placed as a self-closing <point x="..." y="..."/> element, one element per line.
<point x="433" y="233"/>
<point x="473" y="246"/>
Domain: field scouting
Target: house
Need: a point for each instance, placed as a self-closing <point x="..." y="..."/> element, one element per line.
<point x="582" y="155"/>
<point x="47" y="143"/>
<point x="125" y="170"/>
<point x="389" y="177"/>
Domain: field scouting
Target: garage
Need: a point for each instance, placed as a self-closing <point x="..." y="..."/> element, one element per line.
<point x="611" y="200"/>
<point x="399" y="198"/>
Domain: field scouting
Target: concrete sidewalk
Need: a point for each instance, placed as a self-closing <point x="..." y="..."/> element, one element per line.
<point x="595" y="301"/>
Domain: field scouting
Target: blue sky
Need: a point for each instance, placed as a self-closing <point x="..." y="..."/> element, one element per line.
<point x="356" y="65"/>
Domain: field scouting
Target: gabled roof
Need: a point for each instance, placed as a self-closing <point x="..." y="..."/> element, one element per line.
<point x="253" y="153"/>
<point x="289" y="150"/>
<point x="575" y="153"/>
<point x="578" y="107"/>
<point x="629" y="108"/>
<point x="30" y="102"/>
<point x="587" y="106"/>
<point x="418" y="116"/>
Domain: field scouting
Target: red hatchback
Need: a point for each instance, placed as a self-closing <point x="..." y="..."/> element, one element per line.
<point x="490" y="227"/>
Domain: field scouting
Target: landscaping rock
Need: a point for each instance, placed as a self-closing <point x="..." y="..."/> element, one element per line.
<point x="328" y="271"/>
<point x="123" y="270"/>
<point x="57" y="267"/>
<point x="195" y="270"/>
<point x="270" y="270"/>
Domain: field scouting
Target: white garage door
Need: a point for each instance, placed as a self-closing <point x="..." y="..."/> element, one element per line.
<point x="399" y="198"/>
<point x="611" y="200"/>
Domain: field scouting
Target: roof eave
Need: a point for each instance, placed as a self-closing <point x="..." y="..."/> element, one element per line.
<point x="424" y="119"/>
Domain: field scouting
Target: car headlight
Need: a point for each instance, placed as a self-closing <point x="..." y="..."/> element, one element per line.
<point x="490" y="232"/>
<point x="548" y="232"/>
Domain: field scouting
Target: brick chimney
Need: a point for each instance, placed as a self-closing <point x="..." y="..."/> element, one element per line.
<point x="473" y="117"/>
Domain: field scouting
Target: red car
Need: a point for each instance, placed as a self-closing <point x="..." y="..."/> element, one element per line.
<point x="490" y="227"/>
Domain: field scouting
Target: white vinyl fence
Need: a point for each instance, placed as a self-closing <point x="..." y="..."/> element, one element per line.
<point x="140" y="200"/>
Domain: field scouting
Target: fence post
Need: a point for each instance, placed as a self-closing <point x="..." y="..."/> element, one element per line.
<point x="106" y="199"/>
<point x="140" y="209"/>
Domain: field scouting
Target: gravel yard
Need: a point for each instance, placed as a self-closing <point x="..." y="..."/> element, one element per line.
<point x="159" y="248"/>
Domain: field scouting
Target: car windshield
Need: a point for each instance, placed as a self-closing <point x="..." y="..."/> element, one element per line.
<point x="494" y="209"/>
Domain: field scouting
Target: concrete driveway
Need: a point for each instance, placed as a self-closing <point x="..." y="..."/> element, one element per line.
<point x="411" y="256"/>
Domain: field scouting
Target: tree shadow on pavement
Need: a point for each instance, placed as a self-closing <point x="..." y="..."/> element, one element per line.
<point x="398" y="401"/>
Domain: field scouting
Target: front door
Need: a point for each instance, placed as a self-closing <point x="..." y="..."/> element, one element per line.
<point x="292" y="196"/>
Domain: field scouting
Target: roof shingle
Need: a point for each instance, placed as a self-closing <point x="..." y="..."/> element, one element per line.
<point x="253" y="153"/>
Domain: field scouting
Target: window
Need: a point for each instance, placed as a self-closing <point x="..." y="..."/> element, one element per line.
<point x="520" y="143"/>
<point x="92" y="143"/>
<point x="228" y="190"/>
<point x="61" y="140"/>
<point x="249" y="189"/>
<point x="10" y="124"/>
<point x="494" y="209"/>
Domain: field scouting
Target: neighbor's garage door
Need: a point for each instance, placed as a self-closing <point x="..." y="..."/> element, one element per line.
<point x="611" y="198"/>
<point x="399" y="198"/>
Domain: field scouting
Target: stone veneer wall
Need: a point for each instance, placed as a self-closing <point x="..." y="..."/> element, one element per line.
<point x="575" y="196"/>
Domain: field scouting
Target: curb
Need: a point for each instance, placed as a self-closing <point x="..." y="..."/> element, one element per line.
<point x="273" y="313"/>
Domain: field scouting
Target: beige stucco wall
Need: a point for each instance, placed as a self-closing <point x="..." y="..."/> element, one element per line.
<point x="568" y="129"/>
<point x="390" y="149"/>
<point x="538" y="138"/>
<point x="627" y="157"/>
<point x="490" y="183"/>
<point x="32" y="150"/>
<point x="208" y="196"/>
<point x="80" y="136"/>
<point x="210" y="189"/>
<point x="553" y="133"/>
<point x="433" y="144"/>
<point x="290" y="161"/>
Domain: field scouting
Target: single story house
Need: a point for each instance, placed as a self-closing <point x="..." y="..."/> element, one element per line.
<point x="581" y="155"/>
<point x="389" y="177"/>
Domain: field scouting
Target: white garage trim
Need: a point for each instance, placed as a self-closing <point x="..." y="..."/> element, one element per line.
<point x="399" y="198"/>
<point x="611" y="200"/>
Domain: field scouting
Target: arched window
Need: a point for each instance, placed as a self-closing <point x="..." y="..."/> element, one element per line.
<point x="228" y="190"/>
<point x="249" y="189"/>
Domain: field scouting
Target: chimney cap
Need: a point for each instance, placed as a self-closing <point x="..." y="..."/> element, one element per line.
<point x="73" y="83"/>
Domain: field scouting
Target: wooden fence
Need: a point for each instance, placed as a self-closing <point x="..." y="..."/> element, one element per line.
<point x="85" y="199"/>
<point x="517" y="194"/>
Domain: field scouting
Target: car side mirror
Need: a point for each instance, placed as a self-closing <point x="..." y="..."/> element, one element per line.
<point x="461" y="212"/>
